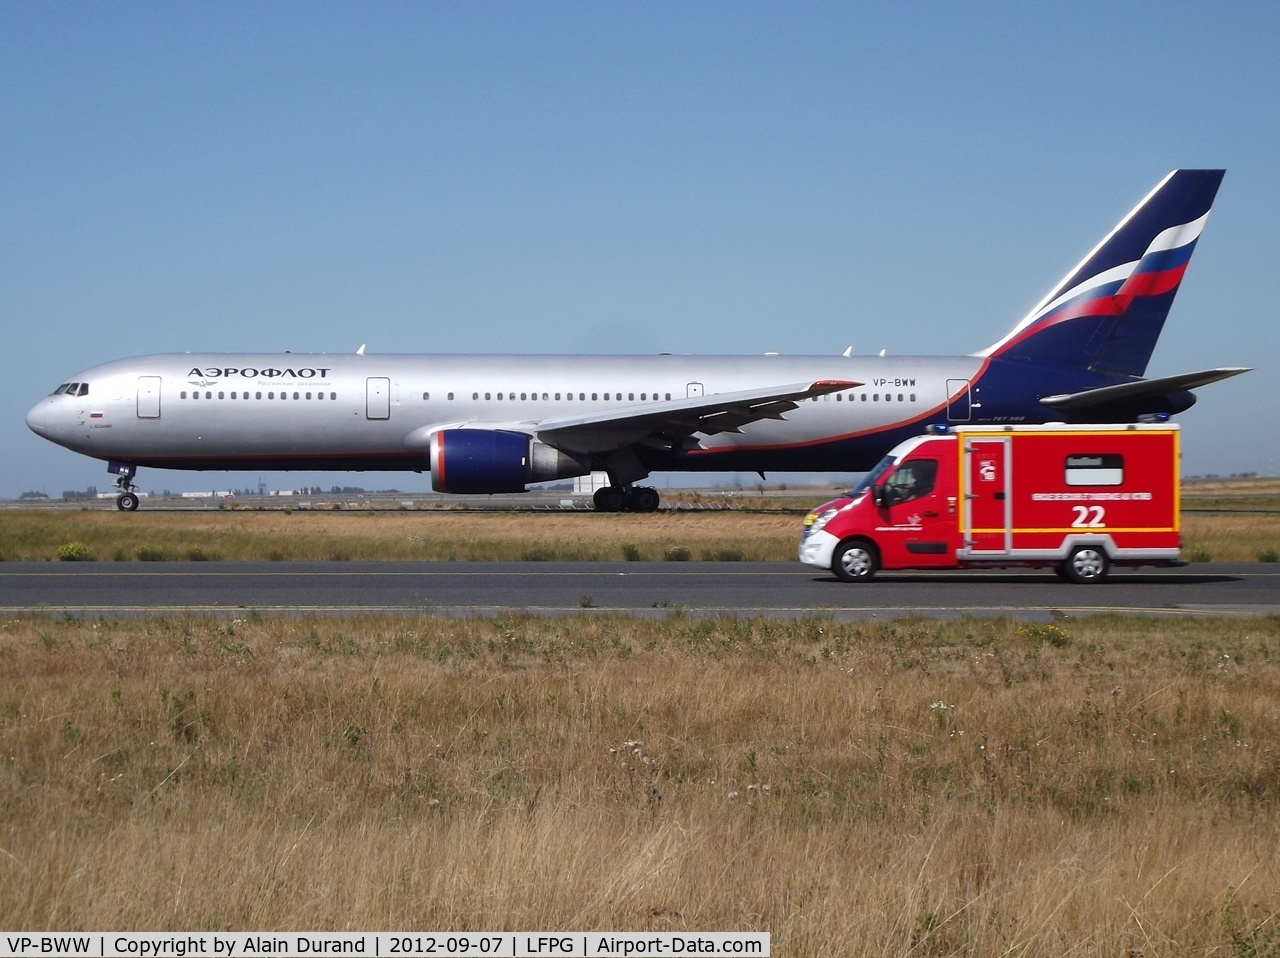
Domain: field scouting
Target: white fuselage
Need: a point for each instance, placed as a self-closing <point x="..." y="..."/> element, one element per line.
<point x="318" y="411"/>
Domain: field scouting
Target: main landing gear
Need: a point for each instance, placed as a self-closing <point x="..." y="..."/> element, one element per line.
<point x="626" y="499"/>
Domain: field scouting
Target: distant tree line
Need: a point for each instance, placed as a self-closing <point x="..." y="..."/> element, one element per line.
<point x="90" y="493"/>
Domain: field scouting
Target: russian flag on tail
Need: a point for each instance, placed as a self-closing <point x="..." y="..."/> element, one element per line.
<point x="1107" y="313"/>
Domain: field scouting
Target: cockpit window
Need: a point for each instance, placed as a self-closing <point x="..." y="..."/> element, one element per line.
<point x="84" y="389"/>
<point x="60" y="390"/>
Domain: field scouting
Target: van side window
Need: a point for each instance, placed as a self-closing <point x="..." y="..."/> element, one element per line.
<point x="1095" y="469"/>
<point x="911" y="480"/>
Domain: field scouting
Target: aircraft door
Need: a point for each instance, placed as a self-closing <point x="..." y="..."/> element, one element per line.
<point x="377" y="398"/>
<point x="693" y="391"/>
<point x="958" y="403"/>
<point x="148" y="397"/>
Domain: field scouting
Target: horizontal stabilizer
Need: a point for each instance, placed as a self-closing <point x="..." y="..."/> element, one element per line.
<point x="1141" y="389"/>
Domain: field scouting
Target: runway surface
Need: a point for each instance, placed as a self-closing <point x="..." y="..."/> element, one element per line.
<point x="655" y="589"/>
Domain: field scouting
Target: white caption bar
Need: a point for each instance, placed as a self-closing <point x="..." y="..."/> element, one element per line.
<point x="460" y="944"/>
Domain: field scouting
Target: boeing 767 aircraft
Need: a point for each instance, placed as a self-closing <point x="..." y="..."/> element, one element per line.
<point x="489" y="424"/>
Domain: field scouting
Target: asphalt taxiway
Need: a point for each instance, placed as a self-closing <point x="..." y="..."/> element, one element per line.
<point x="638" y="588"/>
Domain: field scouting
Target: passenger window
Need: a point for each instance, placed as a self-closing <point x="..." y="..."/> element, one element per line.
<point x="911" y="480"/>
<point x="1096" y="469"/>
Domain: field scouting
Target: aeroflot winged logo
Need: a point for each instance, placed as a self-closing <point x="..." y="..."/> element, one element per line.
<point x="252" y="372"/>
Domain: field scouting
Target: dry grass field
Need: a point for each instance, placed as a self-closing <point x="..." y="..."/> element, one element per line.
<point x="107" y="535"/>
<point x="1104" y="786"/>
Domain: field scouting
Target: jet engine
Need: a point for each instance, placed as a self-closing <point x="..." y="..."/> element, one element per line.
<point x="496" y="460"/>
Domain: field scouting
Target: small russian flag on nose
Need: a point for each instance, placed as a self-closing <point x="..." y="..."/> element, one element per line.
<point x="95" y="415"/>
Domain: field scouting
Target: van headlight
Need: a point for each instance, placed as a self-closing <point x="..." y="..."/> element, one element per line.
<point x="815" y="521"/>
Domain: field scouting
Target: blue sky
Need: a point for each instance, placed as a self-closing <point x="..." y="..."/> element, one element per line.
<point x="623" y="178"/>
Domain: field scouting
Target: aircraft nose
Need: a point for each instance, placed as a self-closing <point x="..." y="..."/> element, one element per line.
<point x="36" y="419"/>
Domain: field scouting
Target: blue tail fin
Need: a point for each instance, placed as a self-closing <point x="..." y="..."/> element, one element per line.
<point x="1107" y="313"/>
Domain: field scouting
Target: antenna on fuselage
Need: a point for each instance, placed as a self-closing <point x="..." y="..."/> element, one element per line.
<point x="848" y="351"/>
<point x="360" y="351"/>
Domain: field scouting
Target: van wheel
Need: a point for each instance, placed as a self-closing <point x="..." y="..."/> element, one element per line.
<point x="1086" y="565"/>
<point x="855" y="561"/>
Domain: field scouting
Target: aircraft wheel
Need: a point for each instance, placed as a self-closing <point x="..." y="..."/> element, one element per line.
<point x="610" y="499"/>
<point x="1086" y="565"/>
<point x="127" y="502"/>
<point x="855" y="561"/>
<point x="643" y="499"/>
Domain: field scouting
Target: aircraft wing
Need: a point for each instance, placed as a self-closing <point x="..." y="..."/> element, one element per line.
<point x="1141" y="389"/>
<point x="674" y="423"/>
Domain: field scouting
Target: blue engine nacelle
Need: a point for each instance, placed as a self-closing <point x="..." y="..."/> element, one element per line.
<point x="496" y="460"/>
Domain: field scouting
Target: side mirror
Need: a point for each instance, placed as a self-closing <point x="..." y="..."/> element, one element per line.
<point x="880" y="495"/>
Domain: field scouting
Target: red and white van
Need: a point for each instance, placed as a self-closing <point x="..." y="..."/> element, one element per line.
<point x="1077" y="499"/>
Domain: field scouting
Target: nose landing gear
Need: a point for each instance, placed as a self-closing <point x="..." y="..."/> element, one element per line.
<point x="127" y="500"/>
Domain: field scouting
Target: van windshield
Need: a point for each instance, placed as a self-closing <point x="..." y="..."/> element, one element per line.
<point x="871" y="478"/>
